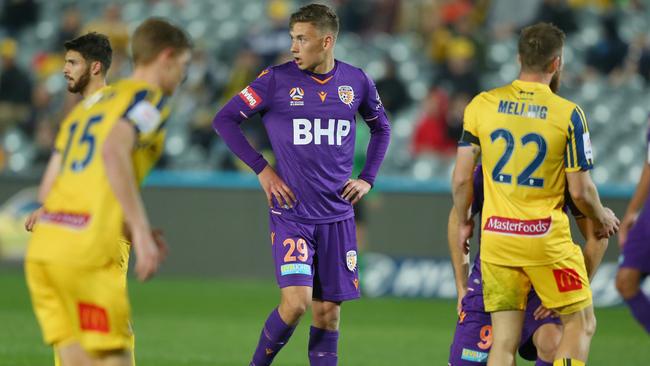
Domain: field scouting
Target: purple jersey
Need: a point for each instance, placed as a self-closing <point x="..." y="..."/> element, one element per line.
<point x="636" y="251"/>
<point x="310" y="119"/>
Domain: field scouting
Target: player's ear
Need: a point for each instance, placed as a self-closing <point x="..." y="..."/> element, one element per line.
<point x="167" y="54"/>
<point x="96" y="68"/>
<point x="328" y="41"/>
<point x="554" y="65"/>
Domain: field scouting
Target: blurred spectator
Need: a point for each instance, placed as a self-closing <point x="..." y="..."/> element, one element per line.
<point x="458" y="74"/>
<point x="117" y="31"/>
<point x="431" y="132"/>
<point x="354" y="16"/>
<point x="45" y="119"/>
<point x="455" y="115"/>
<point x="385" y="16"/>
<point x="508" y="16"/>
<point x="392" y="91"/>
<point x="559" y="13"/>
<point x="269" y="44"/>
<point x="610" y="51"/>
<point x="70" y="27"/>
<point x="15" y="87"/>
<point x="644" y="64"/>
<point x="18" y="14"/>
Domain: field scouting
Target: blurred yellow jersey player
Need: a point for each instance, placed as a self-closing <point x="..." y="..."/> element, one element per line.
<point x="108" y="144"/>
<point x="81" y="207"/>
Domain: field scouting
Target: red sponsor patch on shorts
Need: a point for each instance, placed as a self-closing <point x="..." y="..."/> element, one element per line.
<point x="250" y="97"/>
<point x="93" y="318"/>
<point x="508" y="226"/>
<point x="567" y="279"/>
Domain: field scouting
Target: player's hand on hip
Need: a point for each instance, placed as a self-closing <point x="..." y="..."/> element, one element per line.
<point x="355" y="189"/>
<point x="465" y="232"/>
<point x="275" y="187"/>
<point x="608" y="225"/>
<point x="628" y="221"/>
<point x="31" y="220"/>
<point x="147" y="254"/>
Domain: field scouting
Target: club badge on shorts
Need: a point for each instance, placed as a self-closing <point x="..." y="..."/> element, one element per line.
<point x="351" y="260"/>
<point x="346" y="94"/>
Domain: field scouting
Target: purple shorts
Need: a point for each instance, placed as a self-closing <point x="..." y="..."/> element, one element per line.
<point x="321" y="256"/>
<point x="636" y="252"/>
<point x="473" y="337"/>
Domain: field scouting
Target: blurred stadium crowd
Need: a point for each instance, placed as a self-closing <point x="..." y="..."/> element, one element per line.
<point x="428" y="58"/>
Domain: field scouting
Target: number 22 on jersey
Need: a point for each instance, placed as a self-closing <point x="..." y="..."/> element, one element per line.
<point x="525" y="177"/>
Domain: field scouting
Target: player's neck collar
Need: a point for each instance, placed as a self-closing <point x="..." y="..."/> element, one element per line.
<point x="323" y="78"/>
<point x="531" y="85"/>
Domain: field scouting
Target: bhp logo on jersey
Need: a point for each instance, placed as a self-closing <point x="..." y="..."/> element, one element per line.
<point x="567" y="279"/>
<point x="507" y="226"/>
<point x="249" y="96"/>
<point x="305" y="132"/>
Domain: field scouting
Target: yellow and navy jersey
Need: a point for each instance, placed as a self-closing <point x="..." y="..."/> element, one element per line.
<point x="529" y="138"/>
<point x="82" y="220"/>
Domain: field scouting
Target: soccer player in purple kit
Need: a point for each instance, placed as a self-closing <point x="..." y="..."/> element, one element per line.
<point x="634" y="239"/>
<point x="308" y="107"/>
<point x="541" y="333"/>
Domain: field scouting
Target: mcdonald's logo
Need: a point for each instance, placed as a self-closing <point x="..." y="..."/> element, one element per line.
<point x="93" y="318"/>
<point x="567" y="279"/>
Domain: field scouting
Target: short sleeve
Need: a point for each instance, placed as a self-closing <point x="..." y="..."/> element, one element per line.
<point x="144" y="110"/>
<point x="470" y="125"/>
<point x="255" y="97"/>
<point x="371" y="107"/>
<point x="578" y="156"/>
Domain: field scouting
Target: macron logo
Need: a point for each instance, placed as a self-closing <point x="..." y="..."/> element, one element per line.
<point x="249" y="96"/>
<point x="507" y="226"/>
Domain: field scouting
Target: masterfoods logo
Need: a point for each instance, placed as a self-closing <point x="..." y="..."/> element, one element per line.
<point x="508" y="226"/>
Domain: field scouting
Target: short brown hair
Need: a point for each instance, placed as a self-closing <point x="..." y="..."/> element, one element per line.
<point x="153" y="36"/>
<point x="539" y="44"/>
<point x="321" y="16"/>
<point x="92" y="46"/>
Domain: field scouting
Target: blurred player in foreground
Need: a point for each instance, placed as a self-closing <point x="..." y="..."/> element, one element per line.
<point x="531" y="142"/>
<point x="635" y="249"/>
<point x="309" y="107"/>
<point x="114" y="138"/>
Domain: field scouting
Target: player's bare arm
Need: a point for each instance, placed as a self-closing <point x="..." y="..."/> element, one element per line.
<point x="463" y="191"/>
<point x="116" y="153"/>
<point x="635" y="205"/>
<point x="459" y="258"/>
<point x="275" y="187"/>
<point x="585" y="196"/>
<point x="594" y="248"/>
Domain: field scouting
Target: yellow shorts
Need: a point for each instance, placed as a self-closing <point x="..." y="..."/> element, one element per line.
<point x="562" y="286"/>
<point x="85" y="305"/>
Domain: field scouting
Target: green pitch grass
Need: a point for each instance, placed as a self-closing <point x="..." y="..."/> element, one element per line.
<point x="217" y="322"/>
